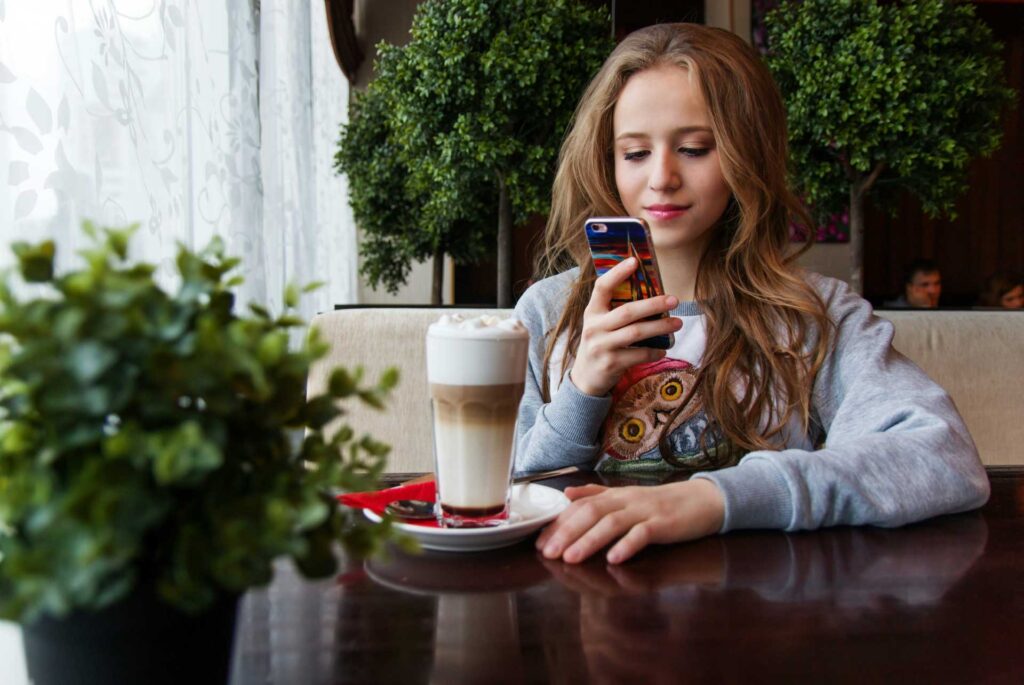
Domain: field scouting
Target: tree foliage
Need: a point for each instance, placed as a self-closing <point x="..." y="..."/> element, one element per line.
<point x="884" y="98"/>
<point x="396" y="232"/>
<point x="478" y="100"/>
<point x="913" y="88"/>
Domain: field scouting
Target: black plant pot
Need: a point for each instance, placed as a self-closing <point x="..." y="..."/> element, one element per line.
<point x="136" y="640"/>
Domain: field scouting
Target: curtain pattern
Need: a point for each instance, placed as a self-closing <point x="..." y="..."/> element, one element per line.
<point x="192" y="118"/>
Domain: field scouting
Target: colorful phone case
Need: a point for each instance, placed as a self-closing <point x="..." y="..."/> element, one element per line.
<point x="614" y="239"/>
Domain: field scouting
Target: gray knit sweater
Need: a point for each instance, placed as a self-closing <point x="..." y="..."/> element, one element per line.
<point x="895" y="449"/>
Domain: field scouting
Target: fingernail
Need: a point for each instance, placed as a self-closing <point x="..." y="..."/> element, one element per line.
<point x="672" y="301"/>
<point x="614" y="557"/>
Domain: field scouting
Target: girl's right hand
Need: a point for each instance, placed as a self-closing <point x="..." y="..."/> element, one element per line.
<point x="604" y="351"/>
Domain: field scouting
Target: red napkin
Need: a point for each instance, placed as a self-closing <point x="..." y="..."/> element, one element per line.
<point x="376" y="501"/>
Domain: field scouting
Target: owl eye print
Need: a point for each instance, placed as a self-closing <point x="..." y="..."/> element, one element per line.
<point x="671" y="390"/>
<point x="633" y="430"/>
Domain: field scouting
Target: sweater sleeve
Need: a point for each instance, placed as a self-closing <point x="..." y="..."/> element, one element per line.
<point x="564" y="431"/>
<point x="896" y="449"/>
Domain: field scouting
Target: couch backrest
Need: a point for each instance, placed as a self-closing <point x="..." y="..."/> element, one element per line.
<point x="378" y="338"/>
<point x="976" y="356"/>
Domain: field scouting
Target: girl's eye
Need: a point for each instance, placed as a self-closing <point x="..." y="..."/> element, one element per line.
<point x="634" y="155"/>
<point x="695" y="151"/>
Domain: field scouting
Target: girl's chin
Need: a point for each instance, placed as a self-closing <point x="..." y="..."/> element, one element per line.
<point x="681" y="221"/>
<point x="674" y="237"/>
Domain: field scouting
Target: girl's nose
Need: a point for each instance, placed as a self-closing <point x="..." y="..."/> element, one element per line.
<point x="665" y="173"/>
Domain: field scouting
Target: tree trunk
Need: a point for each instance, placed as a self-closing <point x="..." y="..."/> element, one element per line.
<point x="857" y="236"/>
<point x="860" y="184"/>
<point x="438" y="278"/>
<point x="504" y="246"/>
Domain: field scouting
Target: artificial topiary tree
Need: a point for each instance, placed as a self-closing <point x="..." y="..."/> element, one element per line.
<point x="476" y="105"/>
<point x="884" y="98"/>
<point x="395" y="230"/>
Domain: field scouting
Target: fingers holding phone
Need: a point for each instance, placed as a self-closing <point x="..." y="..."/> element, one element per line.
<point x="621" y="248"/>
<point x="626" y="321"/>
<point x="645" y="310"/>
<point x="601" y="359"/>
<point x="608" y="283"/>
<point x="608" y="346"/>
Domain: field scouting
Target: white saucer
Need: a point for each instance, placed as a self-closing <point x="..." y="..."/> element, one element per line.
<point x="532" y="506"/>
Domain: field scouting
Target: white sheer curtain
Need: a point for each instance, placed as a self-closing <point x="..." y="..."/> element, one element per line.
<point x="193" y="117"/>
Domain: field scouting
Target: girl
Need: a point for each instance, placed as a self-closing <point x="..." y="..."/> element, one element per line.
<point x="782" y="394"/>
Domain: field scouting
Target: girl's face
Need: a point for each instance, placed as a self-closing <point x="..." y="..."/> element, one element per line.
<point x="666" y="163"/>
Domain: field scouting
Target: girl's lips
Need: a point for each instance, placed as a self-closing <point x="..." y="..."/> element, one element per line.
<point x="666" y="212"/>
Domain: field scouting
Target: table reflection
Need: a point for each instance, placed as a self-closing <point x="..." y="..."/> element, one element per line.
<point x="793" y="602"/>
<point x="853" y="567"/>
<point x="474" y="605"/>
<point x="671" y="610"/>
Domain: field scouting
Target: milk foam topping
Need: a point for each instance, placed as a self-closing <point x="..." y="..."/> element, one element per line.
<point x="482" y="350"/>
<point x="483" y="326"/>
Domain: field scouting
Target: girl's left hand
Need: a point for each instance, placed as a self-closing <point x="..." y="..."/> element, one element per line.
<point x="636" y="516"/>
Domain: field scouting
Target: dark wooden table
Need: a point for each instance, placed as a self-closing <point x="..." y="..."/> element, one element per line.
<point x="937" y="602"/>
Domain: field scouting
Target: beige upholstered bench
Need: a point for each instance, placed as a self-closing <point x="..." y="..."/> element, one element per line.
<point x="978" y="357"/>
<point x="378" y="338"/>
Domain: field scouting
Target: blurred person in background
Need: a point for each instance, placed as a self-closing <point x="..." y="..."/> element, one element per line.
<point x="922" y="286"/>
<point x="1003" y="290"/>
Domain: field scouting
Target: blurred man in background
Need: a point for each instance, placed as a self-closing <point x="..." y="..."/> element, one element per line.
<point x="922" y="286"/>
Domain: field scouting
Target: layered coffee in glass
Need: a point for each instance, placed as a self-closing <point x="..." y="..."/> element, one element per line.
<point x="476" y="368"/>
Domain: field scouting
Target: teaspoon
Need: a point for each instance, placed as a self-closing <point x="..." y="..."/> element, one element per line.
<point x="411" y="509"/>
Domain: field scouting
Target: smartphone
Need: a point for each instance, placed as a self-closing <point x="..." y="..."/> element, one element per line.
<point x="613" y="239"/>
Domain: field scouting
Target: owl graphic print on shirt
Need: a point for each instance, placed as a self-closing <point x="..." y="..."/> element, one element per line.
<point x="657" y="422"/>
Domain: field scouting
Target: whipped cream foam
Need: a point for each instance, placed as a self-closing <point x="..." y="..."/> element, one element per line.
<point x="483" y="326"/>
<point x="480" y="350"/>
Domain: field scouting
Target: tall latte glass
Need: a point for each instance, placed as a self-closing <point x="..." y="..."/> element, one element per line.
<point x="476" y="368"/>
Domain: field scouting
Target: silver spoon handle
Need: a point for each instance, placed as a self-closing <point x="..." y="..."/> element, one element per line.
<point x="530" y="477"/>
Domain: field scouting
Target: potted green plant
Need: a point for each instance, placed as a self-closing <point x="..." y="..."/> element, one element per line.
<point x="157" y="454"/>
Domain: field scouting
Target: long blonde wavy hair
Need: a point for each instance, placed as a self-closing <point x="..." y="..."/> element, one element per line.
<point x="767" y="330"/>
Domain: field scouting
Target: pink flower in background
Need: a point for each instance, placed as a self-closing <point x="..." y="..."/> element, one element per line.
<point x="836" y="229"/>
